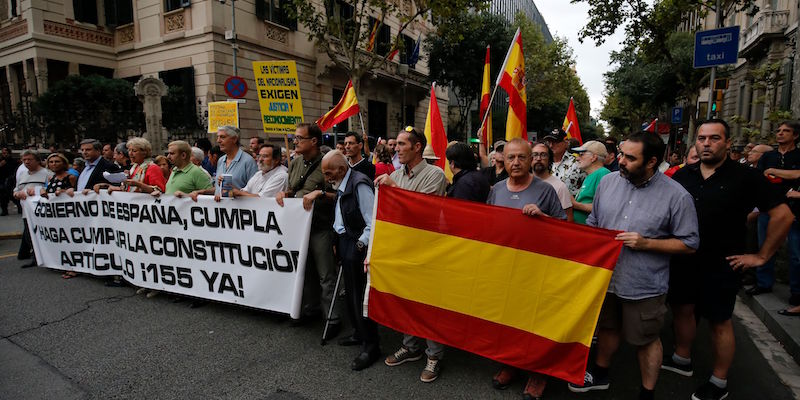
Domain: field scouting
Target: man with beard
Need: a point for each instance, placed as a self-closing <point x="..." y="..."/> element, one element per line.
<point x="707" y="281"/>
<point x="271" y="177"/>
<point x="565" y="165"/>
<point x="352" y="223"/>
<point x="638" y="200"/>
<point x="392" y="144"/>
<point x="542" y="162"/>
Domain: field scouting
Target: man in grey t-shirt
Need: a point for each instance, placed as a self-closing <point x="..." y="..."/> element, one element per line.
<point x="533" y="196"/>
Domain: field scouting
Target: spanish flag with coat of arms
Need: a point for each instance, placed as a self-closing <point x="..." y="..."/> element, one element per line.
<point x="512" y="80"/>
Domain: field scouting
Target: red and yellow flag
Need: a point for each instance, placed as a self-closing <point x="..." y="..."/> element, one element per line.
<point x="372" y="34"/>
<point x="486" y="88"/>
<point x="529" y="302"/>
<point x="435" y="135"/>
<point x="512" y="80"/>
<point x="347" y="106"/>
<point x="570" y="125"/>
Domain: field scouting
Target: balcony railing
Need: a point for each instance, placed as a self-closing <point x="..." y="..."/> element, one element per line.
<point x="765" y="23"/>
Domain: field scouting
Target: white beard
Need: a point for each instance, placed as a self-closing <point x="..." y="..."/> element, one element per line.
<point x="336" y="184"/>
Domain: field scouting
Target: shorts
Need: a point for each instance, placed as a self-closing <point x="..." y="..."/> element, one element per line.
<point x="711" y="287"/>
<point x="638" y="321"/>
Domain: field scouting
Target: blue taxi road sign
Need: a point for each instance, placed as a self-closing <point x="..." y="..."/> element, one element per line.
<point x="716" y="47"/>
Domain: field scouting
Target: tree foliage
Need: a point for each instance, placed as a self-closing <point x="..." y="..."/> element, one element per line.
<point x="457" y="53"/>
<point x="92" y="106"/>
<point x="341" y="28"/>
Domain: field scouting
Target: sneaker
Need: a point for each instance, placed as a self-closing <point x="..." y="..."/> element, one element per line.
<point x="431" y="371"/>
<point x="141" y="290"/>
<point x="402" y="355"/>
<point x="535" y="387"/>
<point x="670" y="365"/>
<point x="710" y="391"/>
<point x="589" y="383"/>
<point x="503" y="378"/>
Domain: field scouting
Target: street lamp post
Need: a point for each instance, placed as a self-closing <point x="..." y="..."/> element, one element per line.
<point x="231" y="35"/>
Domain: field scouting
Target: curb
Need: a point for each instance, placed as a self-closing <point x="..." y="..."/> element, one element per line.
<point x="11" y="235"/>
<point x="785" y="329"/>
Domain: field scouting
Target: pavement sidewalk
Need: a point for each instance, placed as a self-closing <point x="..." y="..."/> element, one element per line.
<point x="785" y="329"/>
<point x="11" y="224"/>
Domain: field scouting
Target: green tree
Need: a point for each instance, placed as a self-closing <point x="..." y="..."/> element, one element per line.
<point x="92" y="106"/>
<point x="457" y="53"/>
<point x="341" y="28"/>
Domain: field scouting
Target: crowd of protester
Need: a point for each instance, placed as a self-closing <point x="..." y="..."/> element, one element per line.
<point x="684" y="221"/>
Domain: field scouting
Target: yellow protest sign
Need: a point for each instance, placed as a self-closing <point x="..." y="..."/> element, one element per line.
<point x="278" y="95"/>
<point x="221" y="113"/>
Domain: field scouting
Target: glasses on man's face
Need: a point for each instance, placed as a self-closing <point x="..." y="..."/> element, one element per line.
<point x="299" y="138"/>
<point x="540" y="156"/>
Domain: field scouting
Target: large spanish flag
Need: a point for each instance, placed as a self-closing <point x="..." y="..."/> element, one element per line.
<point x="531" y="300"/>
<point x="435" y="134"/>
<point x="347" y="106"/>
<point x="486" y="88"/>
<point x="570" y="125"/>
<point x="512" y="80"/>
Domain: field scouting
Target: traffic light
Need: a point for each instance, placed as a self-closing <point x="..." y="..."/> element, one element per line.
<point x="717" y="104"/>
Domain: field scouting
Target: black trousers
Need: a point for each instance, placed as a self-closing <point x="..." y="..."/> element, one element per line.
<point x="26" y="244"/>
<point x="355" y="282"/>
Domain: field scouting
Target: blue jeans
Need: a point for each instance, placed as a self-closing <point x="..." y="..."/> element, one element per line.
<point x="765" y="275"/>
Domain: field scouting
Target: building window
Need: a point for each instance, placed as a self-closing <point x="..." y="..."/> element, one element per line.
<point x="408" y="48"/>
<point x="178" y="106"/>
<point x="118" y="12"/>
<point x="13" y="12"/>
<point x="276" y="11"/>
<point x="377" y="119"/>
<point x="383" y="37"/>
<point x="344" y="126"/>
<point x="172" y="5"/>
<point x="85" y="11"/>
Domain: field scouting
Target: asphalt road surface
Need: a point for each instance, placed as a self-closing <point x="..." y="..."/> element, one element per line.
<point x="77" y="339"/>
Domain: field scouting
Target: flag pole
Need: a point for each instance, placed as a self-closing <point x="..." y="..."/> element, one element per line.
<point x="363" y="132"/>
<point x="486" y="114"/>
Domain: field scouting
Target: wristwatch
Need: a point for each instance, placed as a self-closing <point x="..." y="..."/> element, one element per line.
<point x="360" y="245"/>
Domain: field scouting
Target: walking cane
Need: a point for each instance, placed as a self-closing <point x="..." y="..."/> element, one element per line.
<point x="333" y="303"/>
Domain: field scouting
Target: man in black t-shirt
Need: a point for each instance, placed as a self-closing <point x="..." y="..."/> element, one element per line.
<point x="782" y="169"/>
<point x="706" y="282"/>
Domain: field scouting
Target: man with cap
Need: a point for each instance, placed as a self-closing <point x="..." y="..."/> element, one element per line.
<point x="591" y="157"/>
<point x="497" y="172"/>
<point x="565" y="165"/>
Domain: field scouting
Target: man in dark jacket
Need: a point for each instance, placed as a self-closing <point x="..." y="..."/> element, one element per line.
<point x="95" y="165"/>
<point x="352" y="223"/>
<point x="468" y="183"/>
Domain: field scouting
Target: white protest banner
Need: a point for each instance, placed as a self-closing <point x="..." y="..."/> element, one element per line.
<point x="247" y="251"/>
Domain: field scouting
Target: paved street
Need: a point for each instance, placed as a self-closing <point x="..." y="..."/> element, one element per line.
<point x="77" y="339"/>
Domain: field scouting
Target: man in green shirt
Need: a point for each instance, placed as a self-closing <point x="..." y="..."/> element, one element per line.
<point x="591" y="157"/>
<point x="186" y="177"/>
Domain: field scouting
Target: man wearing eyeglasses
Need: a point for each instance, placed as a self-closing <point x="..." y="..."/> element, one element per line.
<point x="591" y="157"/>
<point x="270" y="179"/>
<point x="418" y="176"/>
<point x="306" y="181"/>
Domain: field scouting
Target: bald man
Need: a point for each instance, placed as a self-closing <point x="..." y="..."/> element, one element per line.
<point x="352" y="219"/>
